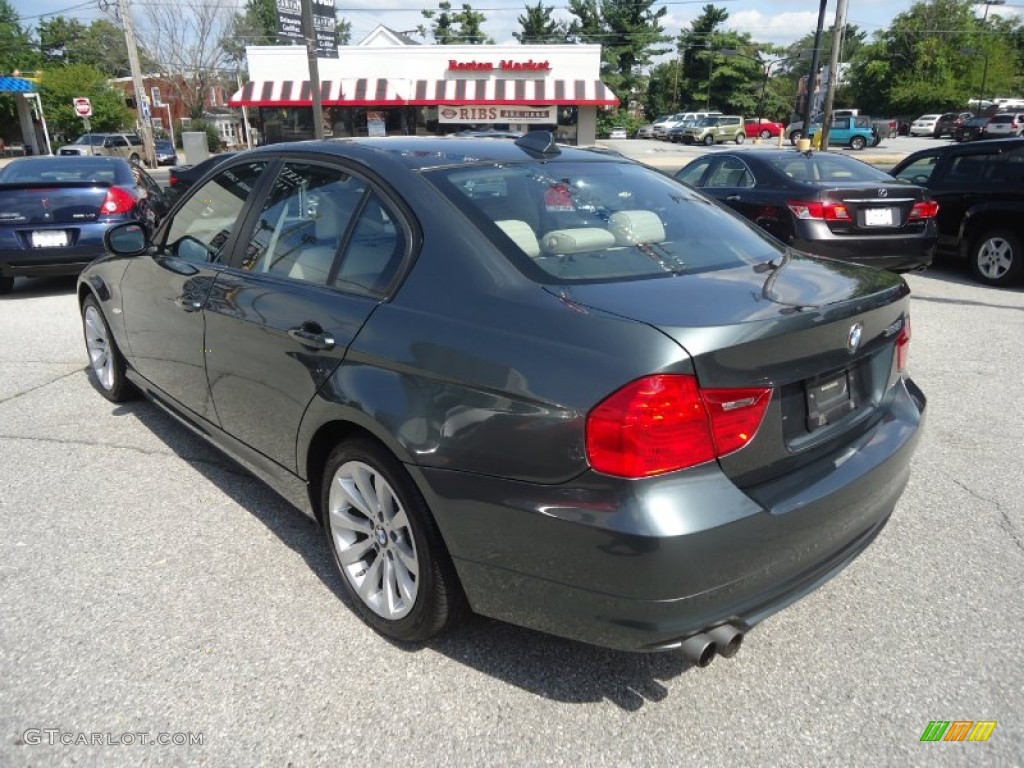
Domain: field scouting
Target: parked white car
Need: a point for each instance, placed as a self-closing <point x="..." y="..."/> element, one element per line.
<point x="924" y="125"/>
<point x="618" y="133"/>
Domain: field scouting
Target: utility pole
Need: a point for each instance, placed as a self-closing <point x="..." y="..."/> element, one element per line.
<point x="833" y="71"/>
<point x="812" y="78"/>
<point x="133" y="62"/>
<point x="309" y="32"/>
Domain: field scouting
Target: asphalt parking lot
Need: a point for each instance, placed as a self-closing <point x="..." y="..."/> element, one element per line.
<point x="150" y="588"/>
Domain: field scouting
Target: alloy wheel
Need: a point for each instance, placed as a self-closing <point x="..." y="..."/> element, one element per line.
<point x="373" y="540"/>
<point x="994" y="258"/>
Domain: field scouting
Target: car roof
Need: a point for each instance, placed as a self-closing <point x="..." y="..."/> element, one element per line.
<point x="424" y="152"/>
<point x="968" y="148"/>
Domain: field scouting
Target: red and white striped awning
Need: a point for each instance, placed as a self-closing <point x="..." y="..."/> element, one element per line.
<point x="349" y="92"/>
<point x="380" y="92"/>
<point x="509" y="91"/>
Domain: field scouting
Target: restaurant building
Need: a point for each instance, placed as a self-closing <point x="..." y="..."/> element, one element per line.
<point x="389" y="85"/>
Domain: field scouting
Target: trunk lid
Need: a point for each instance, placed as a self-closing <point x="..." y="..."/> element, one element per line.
<point x="822" y="334"/>
<point x="42" y="204"/>
<point x="874" y="209"/>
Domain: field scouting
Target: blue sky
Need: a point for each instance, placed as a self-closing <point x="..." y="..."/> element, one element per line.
<point x="777" y="21"/>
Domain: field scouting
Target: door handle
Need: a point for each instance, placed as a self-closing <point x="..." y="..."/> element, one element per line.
<point x="732" y="198"/>
<point x="312" y="337"/>
<point x="187" y="304"/>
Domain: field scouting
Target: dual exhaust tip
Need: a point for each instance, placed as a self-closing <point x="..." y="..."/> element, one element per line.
<point x="724" y="640"/>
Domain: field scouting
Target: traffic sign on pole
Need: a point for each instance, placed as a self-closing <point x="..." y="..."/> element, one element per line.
<point x="83" y="107"/>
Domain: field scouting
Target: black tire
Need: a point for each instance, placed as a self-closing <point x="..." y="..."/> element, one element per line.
<point x="997" y="258"/>
<point x="134" y="159"/>
<point x="766" y="134"/>
<point x="709" y="140"/>
<point x="106" y="363"/>
<point x="6" y="285"/>
<point x="740" y="138"/>
<point x="857" y="142"/>
<point x="795" y="136"/>
<point x="392" y="541"/>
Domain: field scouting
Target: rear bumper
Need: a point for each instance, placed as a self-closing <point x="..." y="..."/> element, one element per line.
<point x="895" y="252"/>
<point x="19" y="259"/>
<point x="47" y="262"/>
<point x="639" y="565"/>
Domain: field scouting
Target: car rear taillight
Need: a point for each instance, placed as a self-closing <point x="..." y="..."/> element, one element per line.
<point x="172" y="179"/>
<point x="903" y="346"/>
<point x="819" y="211"/>
<point x="118" y="201"/>
<point x="667" y="422"/>
<point x="924" y="209"/>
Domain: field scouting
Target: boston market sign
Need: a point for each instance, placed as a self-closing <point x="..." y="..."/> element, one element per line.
<point x="505" y="65"/>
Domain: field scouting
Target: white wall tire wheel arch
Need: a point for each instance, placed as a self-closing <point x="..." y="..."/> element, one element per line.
<point x="385" y="544"/>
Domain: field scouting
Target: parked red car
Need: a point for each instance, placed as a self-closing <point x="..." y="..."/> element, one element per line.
<point x="765" y="128"/>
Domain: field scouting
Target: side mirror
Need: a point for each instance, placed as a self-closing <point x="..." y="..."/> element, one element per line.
<point x="128" y="239"/>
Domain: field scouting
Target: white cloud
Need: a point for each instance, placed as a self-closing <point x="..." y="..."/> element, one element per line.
<point x="779" y="28"/>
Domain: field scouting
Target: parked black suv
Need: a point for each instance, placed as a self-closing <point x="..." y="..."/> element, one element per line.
<point x="980" y="191"/>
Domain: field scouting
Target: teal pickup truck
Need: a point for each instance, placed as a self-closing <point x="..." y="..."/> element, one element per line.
<point x="855" y="132"/>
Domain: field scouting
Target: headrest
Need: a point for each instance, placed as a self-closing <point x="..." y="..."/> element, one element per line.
<point x="632" y="227"/>
<point x="522" y="234"/>
<point x="580" y="240"/>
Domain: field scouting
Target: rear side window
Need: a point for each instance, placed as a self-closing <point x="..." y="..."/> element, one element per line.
<point x="324" y="226"/>
<point x="570" y="222"/>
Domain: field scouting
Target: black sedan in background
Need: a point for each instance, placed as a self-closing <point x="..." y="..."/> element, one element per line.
<point x="54" y="211"/>
<point x="824" y="203"/>
<point x="971" y="129"/>
<point x="181" y="177"/>
<point x="552" y="386"/>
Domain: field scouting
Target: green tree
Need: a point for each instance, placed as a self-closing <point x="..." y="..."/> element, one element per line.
<point x="932" y="58"/>
<point x="463" y="27"/>
<point x="538" y="28"/>
<point x="709" y="78"/>
<point x="59" y="85"/>
<point x="16" y="49"/>
<point x="100" y="45"/>
<point x="630" y="35"/>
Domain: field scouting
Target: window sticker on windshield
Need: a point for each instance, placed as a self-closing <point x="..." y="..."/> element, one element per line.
<point x="558" y="198"/>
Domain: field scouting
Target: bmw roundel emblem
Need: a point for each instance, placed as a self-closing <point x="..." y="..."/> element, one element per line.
<point x="853" y="338"/>
<point x="883" y="192"/>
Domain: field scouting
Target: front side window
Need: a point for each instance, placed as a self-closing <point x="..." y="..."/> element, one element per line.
<point x="730" y="172"/>
<point x="694" y="172"/>
<point x="202" y="227"/>
<point x="570" y="222"/>
<point x="920" y="171"/>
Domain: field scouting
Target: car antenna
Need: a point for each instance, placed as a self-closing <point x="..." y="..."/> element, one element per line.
<point x="539" y="143"/>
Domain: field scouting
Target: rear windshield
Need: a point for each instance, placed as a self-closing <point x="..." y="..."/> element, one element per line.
<point x="1002" y="119"/>
<point x="91" y="139"/>
<point x="827" y="168"/>
<point x="573" y="222"/>
<point x="58" y="169"/>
